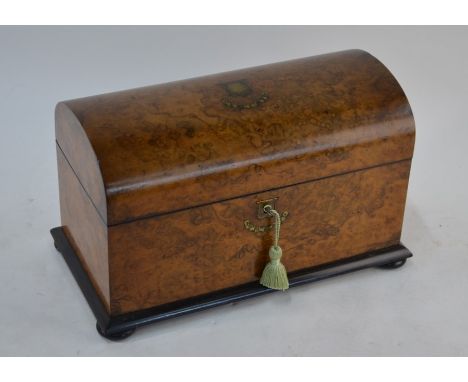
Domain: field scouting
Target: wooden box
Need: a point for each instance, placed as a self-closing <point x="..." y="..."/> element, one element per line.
<point x="162" y="187"/>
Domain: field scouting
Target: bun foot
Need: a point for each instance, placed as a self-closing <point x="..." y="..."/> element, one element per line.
<point x="115" y="336"/>
<point x="394" y="265"/>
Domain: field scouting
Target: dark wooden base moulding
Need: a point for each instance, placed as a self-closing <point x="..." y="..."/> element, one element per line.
<point x="122" y="326"/>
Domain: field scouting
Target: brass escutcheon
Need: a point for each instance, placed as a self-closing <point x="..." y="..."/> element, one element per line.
<point x="261" y="214"/>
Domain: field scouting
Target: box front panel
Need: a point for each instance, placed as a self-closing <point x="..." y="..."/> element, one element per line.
<point x="196" y="251"/>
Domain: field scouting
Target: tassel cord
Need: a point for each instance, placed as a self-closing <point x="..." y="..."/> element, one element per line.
<point x="270" y="211"/>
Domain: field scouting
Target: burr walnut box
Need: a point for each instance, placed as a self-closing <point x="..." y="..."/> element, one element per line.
<point x="171" y="195"/>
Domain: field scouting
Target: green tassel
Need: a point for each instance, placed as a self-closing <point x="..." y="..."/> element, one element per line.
<point x="274" y="275"/>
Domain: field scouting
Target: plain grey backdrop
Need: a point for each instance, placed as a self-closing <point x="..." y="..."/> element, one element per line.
<point x="420" y="309"/>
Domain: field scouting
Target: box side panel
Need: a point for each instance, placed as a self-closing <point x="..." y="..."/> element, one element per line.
<point x="84" y="228"/>
<point x="74" y="143"/>
<point x="199" y="250"/>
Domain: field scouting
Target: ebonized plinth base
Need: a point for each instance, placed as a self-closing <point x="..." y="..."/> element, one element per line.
<point x="122" y="326"/>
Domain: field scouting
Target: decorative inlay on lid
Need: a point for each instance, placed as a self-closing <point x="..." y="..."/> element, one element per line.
<point x="241" y="96"/>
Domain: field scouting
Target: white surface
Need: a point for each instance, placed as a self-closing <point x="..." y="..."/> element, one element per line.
<point x="420" y="309"/>
<point x="248" y="12"/>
